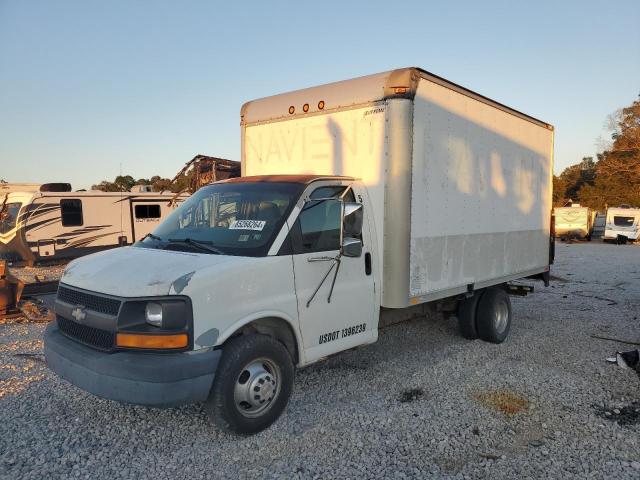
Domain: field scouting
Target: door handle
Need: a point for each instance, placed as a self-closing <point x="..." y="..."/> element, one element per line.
<point x="367" y="263"/>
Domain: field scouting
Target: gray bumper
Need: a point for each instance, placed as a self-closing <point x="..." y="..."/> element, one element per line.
<point x="157" y="380"/>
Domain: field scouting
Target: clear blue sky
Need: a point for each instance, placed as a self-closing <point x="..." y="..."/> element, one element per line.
<point x="87" y="85"/>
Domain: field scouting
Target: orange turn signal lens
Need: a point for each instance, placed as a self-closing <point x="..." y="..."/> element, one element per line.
<point x="142" y="340"/>
<point x="399" y="90"/>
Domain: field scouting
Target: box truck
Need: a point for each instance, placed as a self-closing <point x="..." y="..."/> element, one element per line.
<point x="360" y="199"/>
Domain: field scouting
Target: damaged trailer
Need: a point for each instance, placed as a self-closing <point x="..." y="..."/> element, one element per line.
<point x="50" y="222"/>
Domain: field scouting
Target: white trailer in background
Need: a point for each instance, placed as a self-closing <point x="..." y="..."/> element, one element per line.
<point x="50" y="222"/>
<point x="622" y="224"/>
<point x="394" y="190"/>
<point x="573" y="222"/>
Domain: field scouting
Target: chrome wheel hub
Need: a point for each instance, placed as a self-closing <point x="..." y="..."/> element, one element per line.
<point x="502" y="317"/>
<point x="257" y="387"/>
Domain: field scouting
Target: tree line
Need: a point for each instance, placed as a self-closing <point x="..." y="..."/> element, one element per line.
<point x="612" y="179"/>
<point x="123" y="183"/>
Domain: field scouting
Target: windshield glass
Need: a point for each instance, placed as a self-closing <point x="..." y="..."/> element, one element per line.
<point x="227" y="218"/>
<point x="9" y="216"/>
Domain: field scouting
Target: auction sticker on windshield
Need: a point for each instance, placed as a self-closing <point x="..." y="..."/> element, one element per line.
<point x="247" y="225"/>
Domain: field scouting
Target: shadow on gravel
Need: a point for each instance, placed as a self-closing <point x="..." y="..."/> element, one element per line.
<point x="627" y="415"/>
<point x="411" y="395"/>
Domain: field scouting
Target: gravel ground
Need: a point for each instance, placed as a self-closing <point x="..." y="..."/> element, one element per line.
<point x="422" y="402"/>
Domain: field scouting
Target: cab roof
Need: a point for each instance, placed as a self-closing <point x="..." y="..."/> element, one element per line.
<point x="302" y="179"/>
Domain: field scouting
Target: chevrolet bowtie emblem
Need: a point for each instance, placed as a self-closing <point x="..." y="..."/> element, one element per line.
<point x="79" y="314"/>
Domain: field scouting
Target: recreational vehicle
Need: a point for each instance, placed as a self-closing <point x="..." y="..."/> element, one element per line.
<point x="360" y="201"/>
<point x="50" y="222"/>
<point x="622" y="224"/>
<point x="573" y="222"/>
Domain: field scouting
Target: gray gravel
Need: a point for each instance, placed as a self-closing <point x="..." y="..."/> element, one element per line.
<point x="416" y="404"/>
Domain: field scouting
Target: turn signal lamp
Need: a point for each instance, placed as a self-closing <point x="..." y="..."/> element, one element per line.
<point x="400" y="89"/>
<point x="143" y="340"/>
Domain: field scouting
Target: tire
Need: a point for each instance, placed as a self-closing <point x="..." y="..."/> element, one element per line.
<point x="467" y="316"/>
<point x="252" y="385"/>
<point x="493" y="317"/>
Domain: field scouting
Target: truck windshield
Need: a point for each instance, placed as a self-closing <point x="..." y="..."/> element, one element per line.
<point x="227" y="218"/>
<point x="9" y="216"/>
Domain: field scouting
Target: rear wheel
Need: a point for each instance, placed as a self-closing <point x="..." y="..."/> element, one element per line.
<point x="467" y="315"/>
<point x="252" y="384"/>
<point x="493" y="317"/>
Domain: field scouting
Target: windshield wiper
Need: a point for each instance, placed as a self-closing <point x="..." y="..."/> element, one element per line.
<point x="151" y="235"/>
<point x="201" y="244"/>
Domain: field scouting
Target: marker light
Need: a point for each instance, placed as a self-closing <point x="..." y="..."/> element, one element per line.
<point x="321" y="105"/>
<point x="305" y="108"/>
<point x="400" y="89"/>
<point x="154" y="341"/>
<point x="292" y="110"/>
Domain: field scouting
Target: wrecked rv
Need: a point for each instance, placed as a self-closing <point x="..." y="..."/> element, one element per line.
<point x="51" y="222"/>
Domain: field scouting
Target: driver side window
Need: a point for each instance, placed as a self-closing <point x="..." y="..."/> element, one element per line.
<point x="317" y="228"/>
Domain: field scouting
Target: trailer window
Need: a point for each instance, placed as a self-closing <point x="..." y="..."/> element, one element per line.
<point x="9" y="216"/>
<point x="623" y="221"/>
<point x="147" y="211"/>
<point x="71" y="212"/>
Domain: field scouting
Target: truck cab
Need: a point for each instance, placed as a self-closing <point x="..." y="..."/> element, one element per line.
<point x="280" y="270"/>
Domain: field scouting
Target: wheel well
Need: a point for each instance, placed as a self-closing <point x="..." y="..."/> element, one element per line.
<point x="276" y="328"/>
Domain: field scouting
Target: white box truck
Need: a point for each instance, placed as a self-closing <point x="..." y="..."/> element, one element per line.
<point x="384" y="193"/>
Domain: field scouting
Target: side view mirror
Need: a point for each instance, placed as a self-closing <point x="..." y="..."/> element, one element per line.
<point x="351" y="247"/>
<point x="352" y="216"/>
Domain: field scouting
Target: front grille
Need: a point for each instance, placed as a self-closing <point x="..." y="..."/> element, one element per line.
<point x="97" y="303"/>
<point x="93" y="337"/>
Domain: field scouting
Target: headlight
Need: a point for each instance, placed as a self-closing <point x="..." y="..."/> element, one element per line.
<point x="153" y="314"/>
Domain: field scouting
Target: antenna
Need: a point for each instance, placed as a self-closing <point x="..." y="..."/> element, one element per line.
<point x="121" y="232"/>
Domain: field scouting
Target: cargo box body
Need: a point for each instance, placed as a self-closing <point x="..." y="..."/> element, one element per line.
<point x="460" y="185"/>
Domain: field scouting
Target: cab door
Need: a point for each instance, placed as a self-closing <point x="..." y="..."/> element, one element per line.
<point x="335" y="294"/>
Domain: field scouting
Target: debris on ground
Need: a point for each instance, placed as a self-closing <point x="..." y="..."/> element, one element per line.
<point x="36" y="311"/>
<point x="630" y="359"/>
<point x="625" y="415"/>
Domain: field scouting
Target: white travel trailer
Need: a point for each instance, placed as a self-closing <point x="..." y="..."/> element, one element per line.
<point x="573" y="222"/>
<point x="50" y="222"/>
<point x="622" y="224"/>
<point x="394" y="190"/>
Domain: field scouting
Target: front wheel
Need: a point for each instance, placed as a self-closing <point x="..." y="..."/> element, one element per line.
<point x="252" y="385"/>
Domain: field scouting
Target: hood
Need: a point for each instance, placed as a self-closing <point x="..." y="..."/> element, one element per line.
<point x="137" y="272"/>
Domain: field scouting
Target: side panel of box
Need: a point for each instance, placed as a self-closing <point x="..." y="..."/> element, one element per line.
<point x="480" y="193"/>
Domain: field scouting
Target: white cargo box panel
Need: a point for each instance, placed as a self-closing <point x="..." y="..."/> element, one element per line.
<point x="460" y="185"/>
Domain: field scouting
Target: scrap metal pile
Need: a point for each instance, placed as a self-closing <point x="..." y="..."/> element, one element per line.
<point x="203" y="170"/>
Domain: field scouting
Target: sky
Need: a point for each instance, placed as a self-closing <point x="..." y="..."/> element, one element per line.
<point x="89" y="89"/>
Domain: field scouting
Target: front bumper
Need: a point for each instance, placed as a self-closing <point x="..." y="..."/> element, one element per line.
<point x="157" y="380"/>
